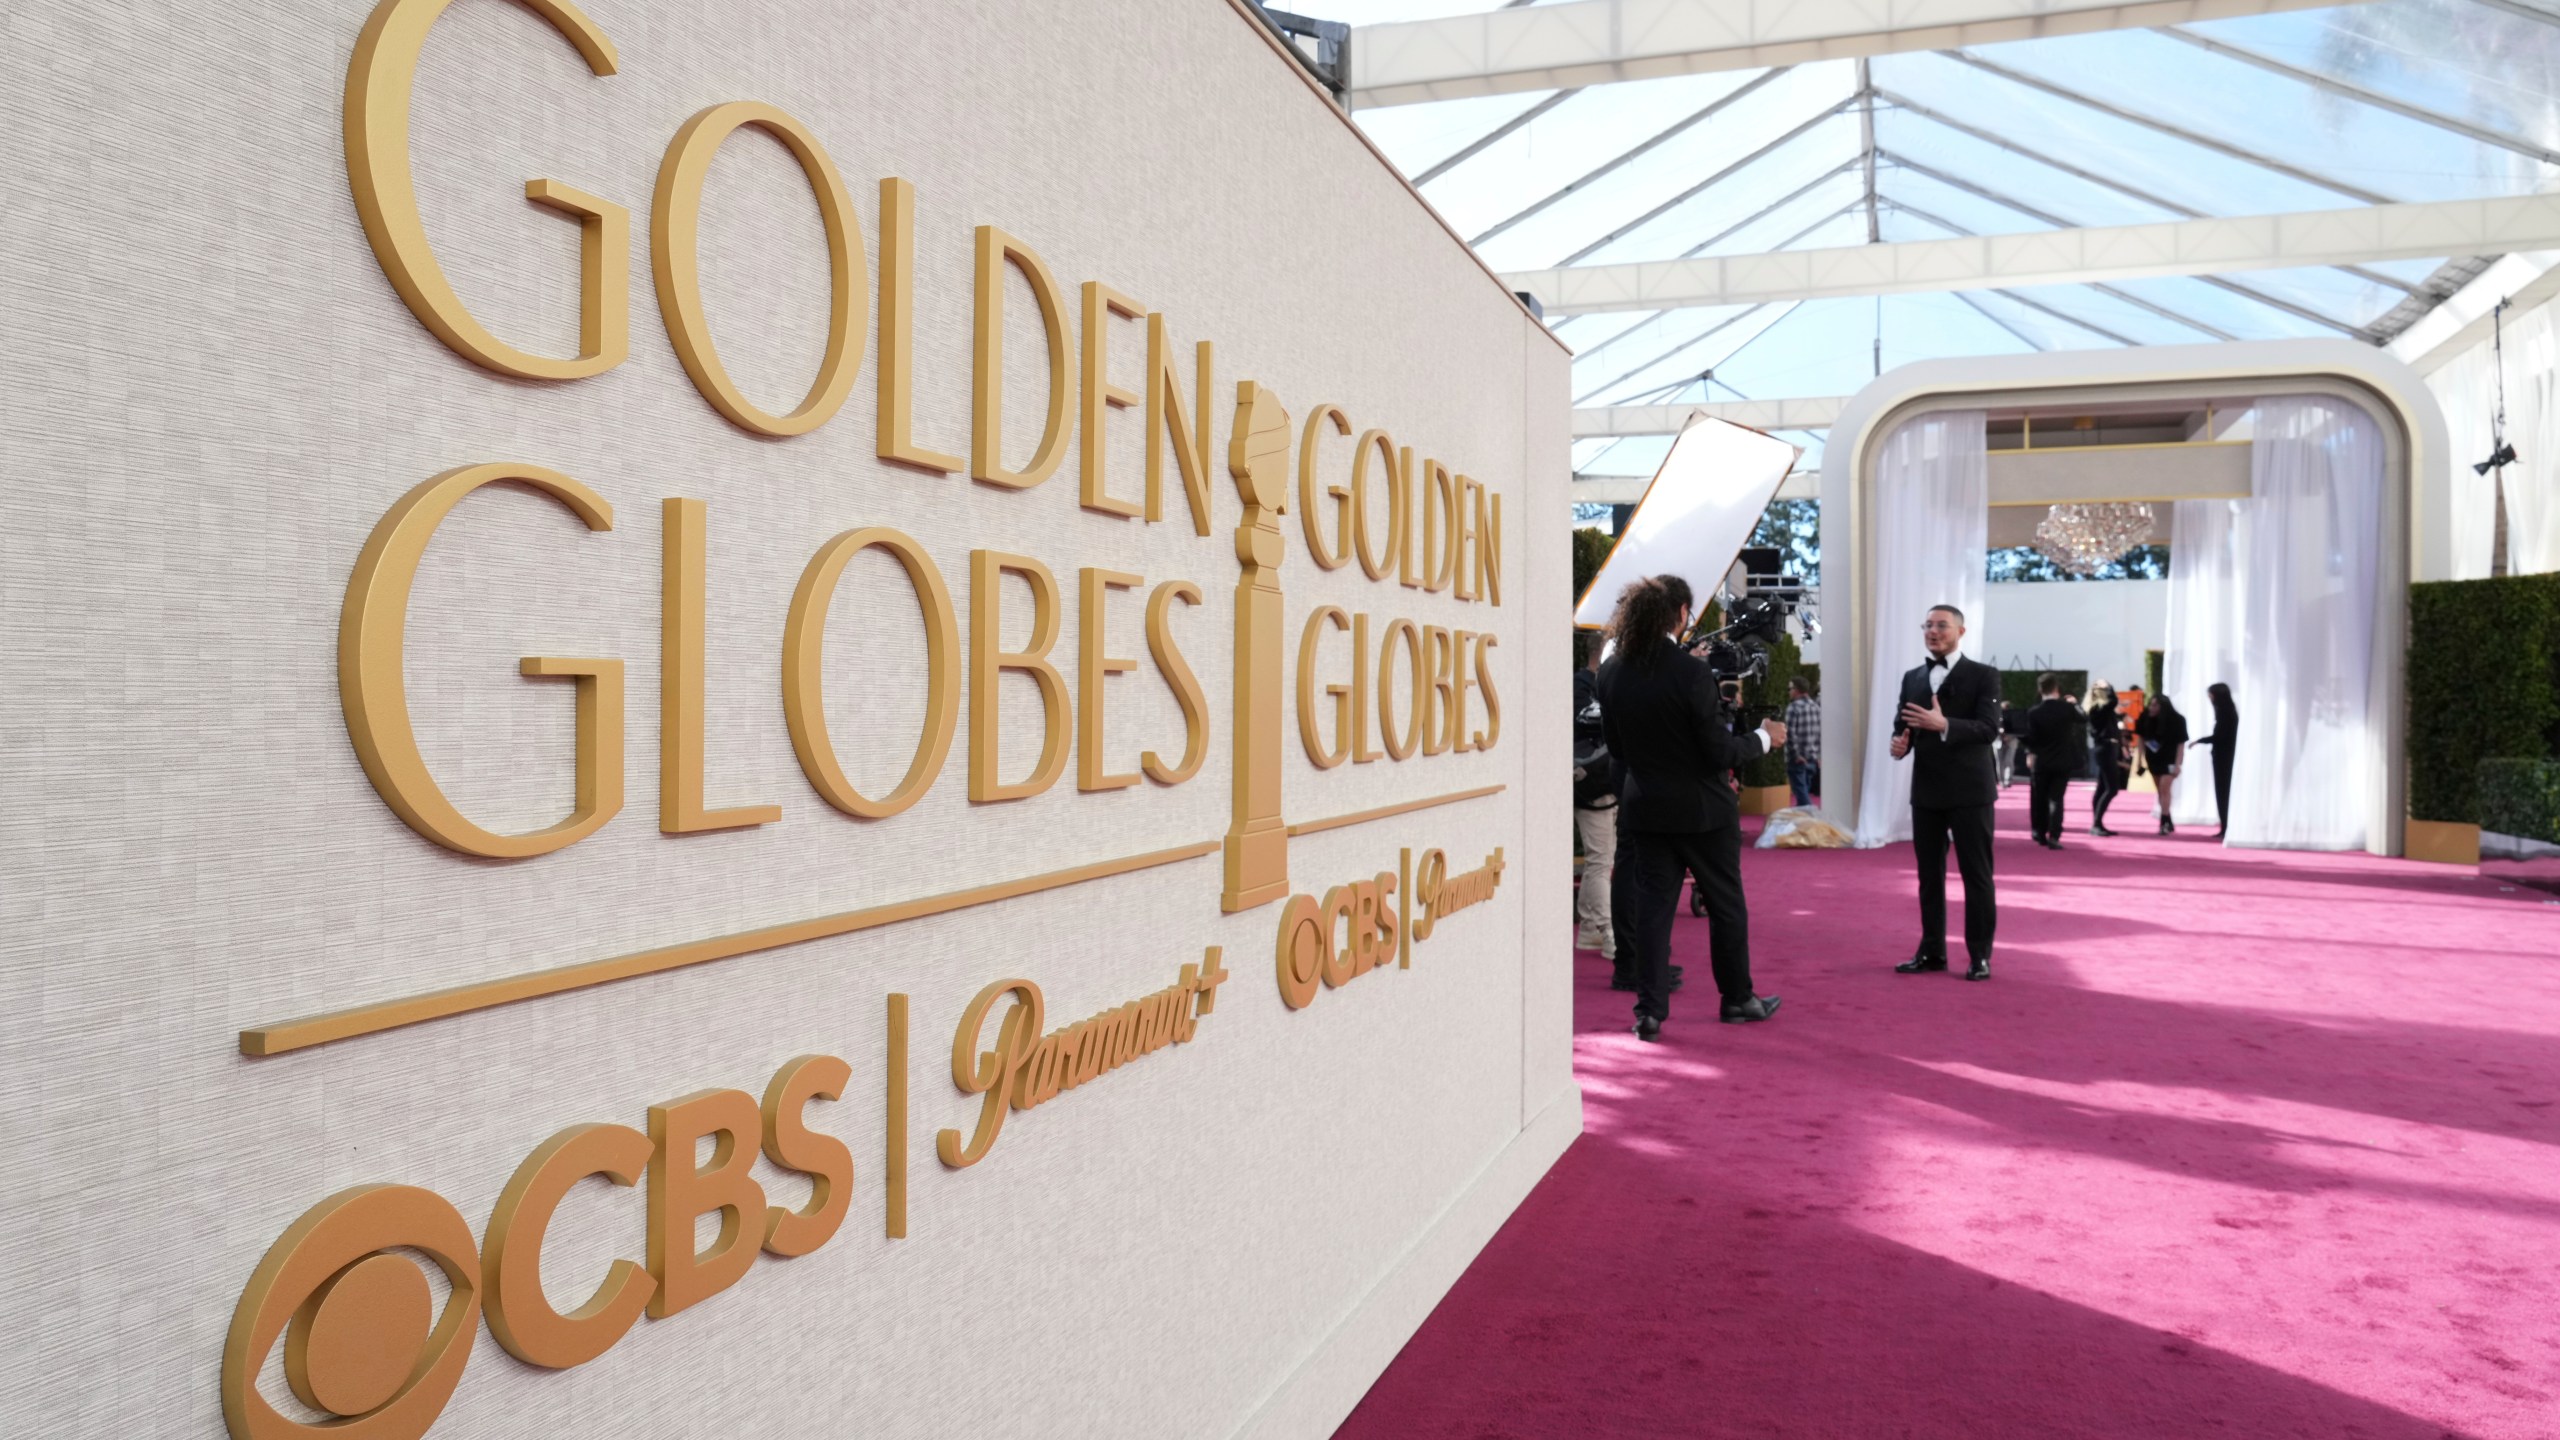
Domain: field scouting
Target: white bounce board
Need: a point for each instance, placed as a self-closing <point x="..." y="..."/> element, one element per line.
<point x="1702" y="505"/>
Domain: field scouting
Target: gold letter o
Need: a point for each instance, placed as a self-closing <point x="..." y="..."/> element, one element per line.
<point x="804" y="648"/>
<point x="675" y="218"/>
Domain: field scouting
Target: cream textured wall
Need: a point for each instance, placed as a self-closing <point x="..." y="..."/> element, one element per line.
<point x="212" y="394"/>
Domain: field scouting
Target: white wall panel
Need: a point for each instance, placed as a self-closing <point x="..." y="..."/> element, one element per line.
<point x="212" y="396"/>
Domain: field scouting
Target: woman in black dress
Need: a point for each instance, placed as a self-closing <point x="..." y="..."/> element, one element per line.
<point x="2106" y="744"/>
<point x="2226" y="730"/>
<point x="2163" y="733"/>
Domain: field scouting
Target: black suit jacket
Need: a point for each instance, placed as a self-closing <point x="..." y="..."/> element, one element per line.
<point x="1675" y="748"/>
<point x="2053" y="736"/>
<point x="1956" y="769"/>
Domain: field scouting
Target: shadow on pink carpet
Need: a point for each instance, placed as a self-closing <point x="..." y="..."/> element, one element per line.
<point x="2248" y="1144"/>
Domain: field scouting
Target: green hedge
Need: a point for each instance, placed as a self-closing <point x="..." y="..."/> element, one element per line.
<point x="2521" y="797"/>
<point x="2154" y="667"/>
<point x="1590" y="550"/>
<point x="2484" y="684"/>
<point x="2018" y="687"/>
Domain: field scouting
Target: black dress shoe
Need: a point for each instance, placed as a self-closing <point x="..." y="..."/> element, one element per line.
<point x="1921" y="965"/>
<point x="2053" y="842"/>
<point x="2102" y="832"/>
<point x="1758" y="1007"/>
<point x="1649" y="1030"/>
<point x="1981" y="969"/>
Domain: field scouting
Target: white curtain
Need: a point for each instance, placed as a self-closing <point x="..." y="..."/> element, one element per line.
<point x="1932" y="537"/>
<point x="2533" y="427"/>
<point x="2304" y="768"/>
<point x="2207" y="608"/>
<point x="2466" y="386"/>
<point x="2463" y="386"/>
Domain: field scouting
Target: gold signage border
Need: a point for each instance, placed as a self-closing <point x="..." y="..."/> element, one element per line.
<point x="290" y="1035"/>
<point x="373" y="1019"/>
<point x="1362" y="817"/>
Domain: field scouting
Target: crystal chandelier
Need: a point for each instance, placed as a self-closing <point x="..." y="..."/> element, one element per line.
<point x="2082" y="539"/>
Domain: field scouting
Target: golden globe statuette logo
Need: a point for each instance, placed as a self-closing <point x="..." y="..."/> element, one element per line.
<point x="1257" y="844"/>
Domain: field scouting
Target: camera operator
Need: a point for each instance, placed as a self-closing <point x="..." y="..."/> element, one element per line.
<point x="1664" y="719"/>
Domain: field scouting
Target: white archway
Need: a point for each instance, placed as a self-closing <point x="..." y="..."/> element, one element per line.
<point x="2416" y="523"/>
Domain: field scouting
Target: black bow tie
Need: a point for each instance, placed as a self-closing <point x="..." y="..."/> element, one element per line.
<point x="1937" y="661"/>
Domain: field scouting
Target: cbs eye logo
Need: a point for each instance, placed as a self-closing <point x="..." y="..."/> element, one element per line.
<point x="362" y="1340"/>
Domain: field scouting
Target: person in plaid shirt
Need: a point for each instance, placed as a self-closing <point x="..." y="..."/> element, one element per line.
<point x="1804" y="740"/>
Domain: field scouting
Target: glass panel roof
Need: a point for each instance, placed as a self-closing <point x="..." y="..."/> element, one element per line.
<point x="2117" y="128"/>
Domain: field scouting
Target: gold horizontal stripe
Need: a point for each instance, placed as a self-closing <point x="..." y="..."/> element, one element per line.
<point x="463" y="999"/>
<point x="1362" y="817"/>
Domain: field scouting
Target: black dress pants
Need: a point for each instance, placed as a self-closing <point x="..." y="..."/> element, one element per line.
<point x="1650" y="864"/>
<point x="2111" y="783"/>
<point x="2044" y="801"/>
<point x="1970" y="826"/>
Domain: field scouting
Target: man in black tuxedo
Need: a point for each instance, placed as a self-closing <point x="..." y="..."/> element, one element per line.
<point x="1948" y="724"/>
<point x="2052" y="736"/>
<point x="1667" y="728"/>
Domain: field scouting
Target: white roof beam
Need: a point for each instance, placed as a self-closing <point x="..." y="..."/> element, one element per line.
<point x="1593" y="421"/>
<point x="2112" y="292"/>
<point x="1596" y="42"/>
<point x="2217" y="246"/>
<point x="1848" y="209"/>
<point x="2013" y="297"/>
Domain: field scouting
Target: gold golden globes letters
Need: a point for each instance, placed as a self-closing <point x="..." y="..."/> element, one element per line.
<point x="362" y="1338"/>
<point x="1444" y="530"/>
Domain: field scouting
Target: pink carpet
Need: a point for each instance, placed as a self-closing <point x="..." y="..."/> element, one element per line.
<point x="2237" y="1143"/>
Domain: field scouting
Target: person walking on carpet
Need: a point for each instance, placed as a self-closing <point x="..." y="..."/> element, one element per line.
<point x="2107" y="751"/>
<point x="2226" y="734"/>
<point x="2163" y="733"/>
<point x="2052" y="738"/>
<point x="1947" y="726"/>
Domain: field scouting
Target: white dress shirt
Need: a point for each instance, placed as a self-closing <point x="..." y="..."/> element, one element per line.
<point x="1938" y="673"/>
